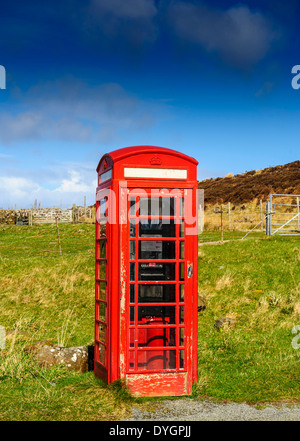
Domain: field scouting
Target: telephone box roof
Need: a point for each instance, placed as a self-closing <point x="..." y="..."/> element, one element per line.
<point x="117" y="155"/>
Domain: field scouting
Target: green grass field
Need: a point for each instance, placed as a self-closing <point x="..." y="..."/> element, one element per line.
<point x="45" y="296"/>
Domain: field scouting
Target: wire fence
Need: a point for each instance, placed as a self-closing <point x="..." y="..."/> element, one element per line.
<point x="69" y="239"/>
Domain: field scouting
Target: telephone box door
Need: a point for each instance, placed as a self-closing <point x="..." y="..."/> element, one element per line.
<point x="157" y="293"/>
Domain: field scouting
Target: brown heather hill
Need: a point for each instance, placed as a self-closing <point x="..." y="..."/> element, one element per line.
<point x="255" y="184"/>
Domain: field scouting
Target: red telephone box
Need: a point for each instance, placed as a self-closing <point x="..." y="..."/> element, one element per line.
<point x="146" y="270"/>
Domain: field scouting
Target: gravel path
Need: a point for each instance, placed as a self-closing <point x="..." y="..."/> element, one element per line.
<point x="194" y="410"/>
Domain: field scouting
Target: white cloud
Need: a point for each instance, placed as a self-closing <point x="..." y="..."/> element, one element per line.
<point x="78" y="181"/>
<point x="69" y="110"/>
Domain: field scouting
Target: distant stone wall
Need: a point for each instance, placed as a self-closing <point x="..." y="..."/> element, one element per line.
<point x="37" y="216"/>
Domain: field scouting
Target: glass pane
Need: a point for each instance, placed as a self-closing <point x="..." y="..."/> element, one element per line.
<point x="102" y="311"/>
<point x="132" y="288"/>
<point x="131" y="315"/>
<point x="157" y="206"/>
<point x="181" y="359"/>
<point x="102" y="286"/>
<point x="181" y="293"/>
<point x="168" y="206"/>
<point x="181" y="315"/>
<point x="157" y="271"/>
<point x="131" y="337"/>
<point x="132" y="229"/>
<point x="181" y="255"/>
<point x="101" y="353"/>
<point x="103" y="207"/>
<point x="102" y="249"/>
<point x="102" y="264"/>
<point x="102" y="332"/>
<point x="156" y="360"/>
<point x="181" y="228"/>
<point x="133" y="206"/>
<point x="131" y="360"/>
<point x="181" y="207"/>
<point x="103" y="228"/>
<point x="181" y="336"/>
<point x="132" y="271"/>
<point x="156" y="249"/>
<point x="181" y="271"/>
<point x="156" y="293"/>
<point x="132" y="249"/>
<point x="156" y="337"/>
<point x="152" y="315"/>
<point x="157" y="228"/>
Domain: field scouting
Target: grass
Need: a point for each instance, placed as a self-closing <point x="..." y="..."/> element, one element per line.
<point x="258" y="282"/>
<point x="45" y="296"/>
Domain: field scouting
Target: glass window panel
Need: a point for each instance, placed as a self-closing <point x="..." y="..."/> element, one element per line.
<point x="181" y="271"/>
<point x="181" y="336"/>
<point x="103" y="204"/>
<point x="132" y="271"/>
<point x="157" y="271"/>
<point x="157" y="249"/>
<point x="181" y="228"/>
<point x="102" y="332"/>
<point x="157" y="228"/>
<point x="102" y="249"/>
<point x="153" y="315"/>
<point x="132" y="229"/>
<point x="102" y="264"/>
<point x="102" y="353"/>
<point x="132" y="249"/>
<point x="181" y="293"/>
<point x="144" y="207"/>
<point x="181" y="314"/>
<point x="181" y="359"/>
<point x="157" y="206"/>
<point x="132" y="206"/>
<point x="102" y="286"/>
<point x="154" y="336"/>
<point x="132" y="289"/>
<point x="131" y="360"/>
<point x="168" y="206"/>
<point x="131" y="337"/>
<point x="156" y="360"/>
<point x="102" y="228"/>
<point x="181" y="255"/>
<point x="181" y="207"/>
<point x="131" y="315"/>
<point x="156" y="293"/>
<point x="105" y="176"/>
<point x="102" y="311"/>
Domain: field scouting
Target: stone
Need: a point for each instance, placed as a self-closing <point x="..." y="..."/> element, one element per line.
<point x="201" y="302"/>
<point x="225" y="323"/>
<point x="48" y="355"/>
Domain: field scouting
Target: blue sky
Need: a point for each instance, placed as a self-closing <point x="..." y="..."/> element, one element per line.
<point x="209" y="78"/>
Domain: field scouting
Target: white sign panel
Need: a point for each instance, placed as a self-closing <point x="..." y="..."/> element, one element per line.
<point x="160" y="173"/>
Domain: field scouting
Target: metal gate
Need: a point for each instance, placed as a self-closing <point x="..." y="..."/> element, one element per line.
<point x="283" y="215"/>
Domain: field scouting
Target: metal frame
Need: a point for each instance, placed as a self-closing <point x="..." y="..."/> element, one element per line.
<point x="288" y="223"/>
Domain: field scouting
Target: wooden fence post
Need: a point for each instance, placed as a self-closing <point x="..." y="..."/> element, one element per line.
<point x="56" y="220"/>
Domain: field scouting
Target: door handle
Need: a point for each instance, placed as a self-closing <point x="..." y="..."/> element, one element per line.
<point x="190" y="271"/>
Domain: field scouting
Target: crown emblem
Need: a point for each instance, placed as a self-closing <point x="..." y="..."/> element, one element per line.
<point x="155" y="160"/>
